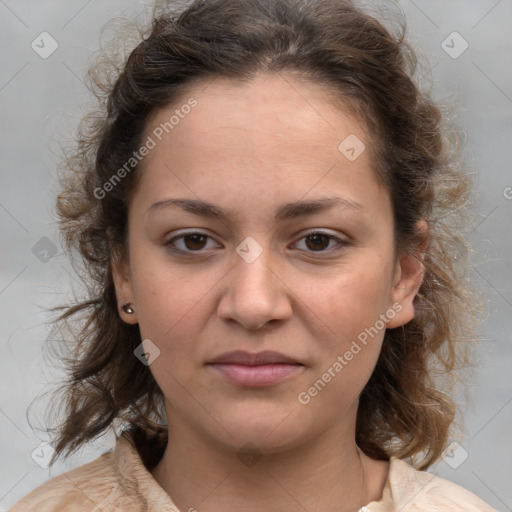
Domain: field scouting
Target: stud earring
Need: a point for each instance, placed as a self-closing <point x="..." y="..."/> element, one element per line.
<point x="127" y="308"/>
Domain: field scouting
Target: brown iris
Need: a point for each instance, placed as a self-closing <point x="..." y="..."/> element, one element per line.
<point x="318" y="241"/>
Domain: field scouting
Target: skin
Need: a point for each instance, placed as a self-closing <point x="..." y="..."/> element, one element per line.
<point x="250" y="148"/>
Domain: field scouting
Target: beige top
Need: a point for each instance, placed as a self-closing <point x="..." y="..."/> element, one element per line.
<point x="120" y="481"/>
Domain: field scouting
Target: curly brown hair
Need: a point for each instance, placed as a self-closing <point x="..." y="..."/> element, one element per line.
<point x="371" y="69"/>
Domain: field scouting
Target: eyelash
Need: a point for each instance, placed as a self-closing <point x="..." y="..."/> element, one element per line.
<point x="340" y="243"/>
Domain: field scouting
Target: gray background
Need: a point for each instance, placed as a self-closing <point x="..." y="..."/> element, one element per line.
<point x="41" y="101"/>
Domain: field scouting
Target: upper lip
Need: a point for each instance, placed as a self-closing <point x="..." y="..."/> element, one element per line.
<point x="256" y="359"/>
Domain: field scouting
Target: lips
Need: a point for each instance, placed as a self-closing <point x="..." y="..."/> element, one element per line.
<point x="261" y="369"/>
<point x="257" y="359"/>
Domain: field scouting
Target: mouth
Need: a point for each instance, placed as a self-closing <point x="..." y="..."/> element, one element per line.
<point x="260" y="369"/>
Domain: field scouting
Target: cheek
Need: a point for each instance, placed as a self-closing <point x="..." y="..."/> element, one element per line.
<point x="352" y="309"/>
<point x="352" y="305"/>
<point x="172" y="315"/>
<point x="168" y="299"/>
<point x="354" y="299"/>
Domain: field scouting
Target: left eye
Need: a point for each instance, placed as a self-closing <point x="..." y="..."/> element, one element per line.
<point x="318" y="241"/>
<point x="314" y="241"/>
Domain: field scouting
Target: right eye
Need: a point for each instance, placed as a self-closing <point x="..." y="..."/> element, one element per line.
<point x="191" y="242"/>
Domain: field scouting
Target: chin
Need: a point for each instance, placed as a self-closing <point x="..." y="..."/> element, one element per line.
<point x="270" y="431"/>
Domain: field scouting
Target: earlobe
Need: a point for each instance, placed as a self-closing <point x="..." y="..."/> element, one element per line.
<point x="123" y="287"/>
<point x="408" y="278"/>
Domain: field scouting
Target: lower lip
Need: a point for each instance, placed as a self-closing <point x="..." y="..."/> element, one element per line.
<point x="257" y="376"/>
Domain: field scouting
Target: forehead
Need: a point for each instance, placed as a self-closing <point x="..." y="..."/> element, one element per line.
<point x="288" y="106"/>
<point x="267" y="136"/>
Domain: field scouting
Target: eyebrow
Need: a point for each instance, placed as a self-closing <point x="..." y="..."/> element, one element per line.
<point x="284" y="212"/>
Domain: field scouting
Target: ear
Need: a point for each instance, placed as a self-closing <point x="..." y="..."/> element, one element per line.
<point x="409" y="273"/>
<point x="123" y="287"/>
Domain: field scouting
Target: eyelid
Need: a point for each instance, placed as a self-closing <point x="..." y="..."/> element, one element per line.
<point x="188" y="231"/>
<point x="320" y="231"/>
<point x="182" y="234"/>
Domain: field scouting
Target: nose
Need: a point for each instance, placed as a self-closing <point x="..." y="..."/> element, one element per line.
<point x="255" y="294"/>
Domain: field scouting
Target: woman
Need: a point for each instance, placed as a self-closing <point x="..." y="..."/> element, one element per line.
<point x="264" y="208"/>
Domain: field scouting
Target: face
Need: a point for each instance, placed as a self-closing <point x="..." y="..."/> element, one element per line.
<point x="250" y="230"/>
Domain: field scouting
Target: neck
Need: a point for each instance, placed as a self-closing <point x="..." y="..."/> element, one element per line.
<point x="328" y="473"/>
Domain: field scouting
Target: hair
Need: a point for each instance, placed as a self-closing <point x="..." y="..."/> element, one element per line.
<point x="371" y="70"/>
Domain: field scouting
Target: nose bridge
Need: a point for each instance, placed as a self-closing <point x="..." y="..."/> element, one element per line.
<point x="254" y="275"/>
<point x="254" y="294"/>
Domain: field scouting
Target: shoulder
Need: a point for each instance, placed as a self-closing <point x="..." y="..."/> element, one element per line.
<point x="421" y="491"/>
<point x="115" y="481"/>
<point x="81" y="489"/>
